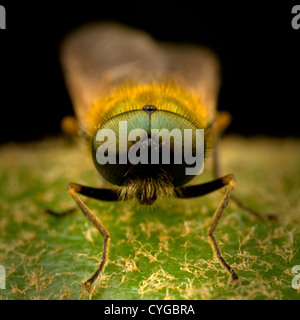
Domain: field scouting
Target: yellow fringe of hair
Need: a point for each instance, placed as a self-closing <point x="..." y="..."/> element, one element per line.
<point x="165" y="96"/>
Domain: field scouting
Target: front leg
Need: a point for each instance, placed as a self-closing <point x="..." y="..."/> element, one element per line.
<point x="100" y="194"/>
<point x="202" y="189"/>
<point x="222" y="121"/>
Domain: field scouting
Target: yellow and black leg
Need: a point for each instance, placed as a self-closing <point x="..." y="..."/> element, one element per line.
<point x="205" y="188"/>
<point x="100" y="194"/>
<point x="222" y="121"/>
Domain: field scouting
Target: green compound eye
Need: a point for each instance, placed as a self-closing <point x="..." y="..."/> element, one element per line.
<point x="138" y="144"/>
<point x="114" y="173"/>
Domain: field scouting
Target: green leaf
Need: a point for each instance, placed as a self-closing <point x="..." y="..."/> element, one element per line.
<point x="159" y="252"/>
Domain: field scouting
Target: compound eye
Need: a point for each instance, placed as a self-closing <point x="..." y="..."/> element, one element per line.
<point x="112" y="140"/>
<point x="187" y="145"/>
<point x="141" y="145"/>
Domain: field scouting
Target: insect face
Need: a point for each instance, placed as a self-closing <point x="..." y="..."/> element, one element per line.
<point x="147" y="151"/>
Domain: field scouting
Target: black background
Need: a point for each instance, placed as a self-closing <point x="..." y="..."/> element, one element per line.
<point x="258" y="48"/>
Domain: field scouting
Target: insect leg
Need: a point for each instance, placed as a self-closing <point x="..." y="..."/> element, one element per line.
<point x="222" y="121"/>
<point x="202" y="189"/>
<point x="60" y="214"/>
<point x="100" y="194"/>
<point x="69" y="126"/>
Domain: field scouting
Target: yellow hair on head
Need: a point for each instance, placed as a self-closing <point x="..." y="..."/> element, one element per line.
<point x="165" y="96"/>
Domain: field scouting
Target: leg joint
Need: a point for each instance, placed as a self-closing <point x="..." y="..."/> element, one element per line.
<point x="229" y="180"/>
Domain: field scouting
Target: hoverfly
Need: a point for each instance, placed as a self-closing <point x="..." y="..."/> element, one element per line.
<point x="114" y="72"/>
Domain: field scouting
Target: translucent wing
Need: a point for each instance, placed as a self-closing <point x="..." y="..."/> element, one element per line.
<point x="98" y="56"/>
<point x="197" y="69"/>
